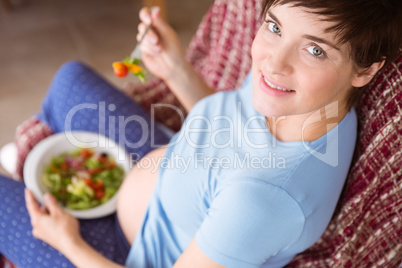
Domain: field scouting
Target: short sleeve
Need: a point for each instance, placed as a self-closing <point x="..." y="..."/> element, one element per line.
<point x="248" y="222"/>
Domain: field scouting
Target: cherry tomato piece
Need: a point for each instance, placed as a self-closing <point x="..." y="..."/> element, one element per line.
<point x="89" y="182"/>
<point x="86" y="153"/>
<point x="99" y="194"/>
<point x="120" y="70"/>
<point x="64" y="166"/>
<point x="98" y="185"/>
<point x="102" y="159"/>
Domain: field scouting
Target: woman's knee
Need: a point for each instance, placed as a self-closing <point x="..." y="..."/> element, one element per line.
<point x="73" y="79"/>
<point x="70" y="74"/>
<point x="74" y="67"/>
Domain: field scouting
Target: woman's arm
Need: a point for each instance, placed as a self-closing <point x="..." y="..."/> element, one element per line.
<point x="51" y="224"/>
<point x="81" y="254"/>
<point x="195" y="258"/>
<point x="188" y="86"/>
<point x="163" y="55"/>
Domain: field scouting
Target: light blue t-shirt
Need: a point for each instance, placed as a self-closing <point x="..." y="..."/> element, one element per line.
<point x="248" y="199"/>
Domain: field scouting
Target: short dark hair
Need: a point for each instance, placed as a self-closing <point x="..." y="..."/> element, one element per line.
<point x="373" y="28"/>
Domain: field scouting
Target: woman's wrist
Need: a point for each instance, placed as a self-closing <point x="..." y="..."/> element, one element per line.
<point x="181" y="70"/>
<point x="187" y="85"/>
<point x="71" y="245"/>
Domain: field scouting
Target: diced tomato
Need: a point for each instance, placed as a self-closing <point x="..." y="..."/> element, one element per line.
<point x="99" y="194"/>
<point x="86" y="153"/>
<point x="89" y="182"/>
<point x="64" y="166"/>
<point x="98" y="185"/>
<point x="98" y="170"/>
<point x="102" y="159"/>
<point x="112" y="165"/>
<point x="95" y="170"/>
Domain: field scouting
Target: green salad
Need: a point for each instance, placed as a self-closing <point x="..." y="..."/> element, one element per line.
<point x="82" y="179"/>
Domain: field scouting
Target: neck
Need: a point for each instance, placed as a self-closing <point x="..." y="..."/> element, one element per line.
<point x="306" y="127"/>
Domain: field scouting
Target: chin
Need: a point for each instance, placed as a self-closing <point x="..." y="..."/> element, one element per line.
<point x="267" y="109"/>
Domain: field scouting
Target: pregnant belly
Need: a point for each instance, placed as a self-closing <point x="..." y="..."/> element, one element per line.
<point x="135" y="193"/>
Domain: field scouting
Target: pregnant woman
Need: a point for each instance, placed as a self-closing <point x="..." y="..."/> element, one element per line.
<point x="253" y="176"/>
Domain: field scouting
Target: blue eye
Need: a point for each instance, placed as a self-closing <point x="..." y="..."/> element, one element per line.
<point x="273" y="27"/>
<point x="316" y="51"/>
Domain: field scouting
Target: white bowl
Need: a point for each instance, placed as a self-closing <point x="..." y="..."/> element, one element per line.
<point x="56" y="144"/>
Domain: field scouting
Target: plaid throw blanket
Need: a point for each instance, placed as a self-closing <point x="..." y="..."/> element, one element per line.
<point x="366" y="229"/>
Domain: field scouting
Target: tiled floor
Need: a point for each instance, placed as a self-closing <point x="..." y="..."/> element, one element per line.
<point x="36" y="38"/>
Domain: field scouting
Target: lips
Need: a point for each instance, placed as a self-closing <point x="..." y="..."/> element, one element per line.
<point x="274" y="89"/>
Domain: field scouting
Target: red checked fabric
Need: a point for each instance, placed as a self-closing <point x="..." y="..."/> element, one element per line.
<point x="28" y="134"/>
<point x="366" y="229"/>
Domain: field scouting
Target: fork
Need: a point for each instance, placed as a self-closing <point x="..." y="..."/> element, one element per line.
<point x="136" y="53"/>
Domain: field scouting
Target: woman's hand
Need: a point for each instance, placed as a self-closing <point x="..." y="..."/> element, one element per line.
<point x="59" y="229"/>
<point x="161" y="50"/>
<point x="163" y="55"/>
<point x="51" y="223"/>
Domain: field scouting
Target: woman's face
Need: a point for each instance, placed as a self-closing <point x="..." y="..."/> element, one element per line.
<point x="297" y="66"/>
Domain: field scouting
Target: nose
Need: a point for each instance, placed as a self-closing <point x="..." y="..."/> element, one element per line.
<point x="280" y="60"/>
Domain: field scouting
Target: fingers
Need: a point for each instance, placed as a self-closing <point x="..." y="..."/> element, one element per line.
<point x="145" y="15"/>
<point x="153" y="17"/>
<point x="51" y="204"/>
<point x="44" y="210"/>
<point x="158" y="26"/>
<point x="151" y="43"/>
<point x="146" y="20"/>
<point x="31" y="204"/>
<point x="151" y="35"/>
<point x="157" y="20"/>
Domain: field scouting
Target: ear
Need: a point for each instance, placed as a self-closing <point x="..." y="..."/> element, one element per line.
<point x="363" y="76"/>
